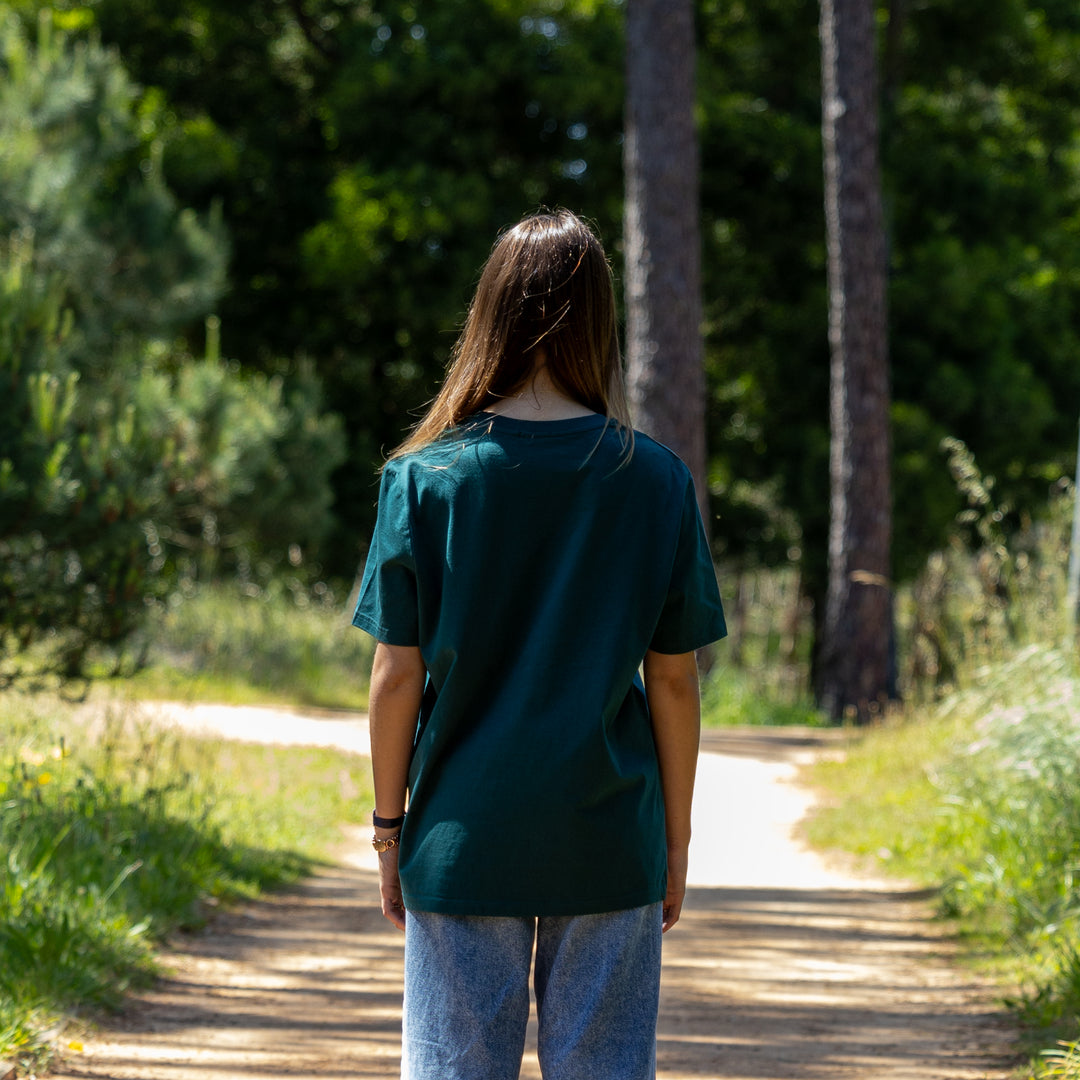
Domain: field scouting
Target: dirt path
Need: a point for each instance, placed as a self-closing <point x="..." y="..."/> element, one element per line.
<point x="783" y="968"/>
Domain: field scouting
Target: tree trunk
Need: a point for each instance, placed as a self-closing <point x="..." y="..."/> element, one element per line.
<point x="854" y="667"/>
<point x="665" y="354"/>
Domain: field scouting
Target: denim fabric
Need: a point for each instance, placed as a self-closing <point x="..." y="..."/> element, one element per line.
<point x="597" y="983"/>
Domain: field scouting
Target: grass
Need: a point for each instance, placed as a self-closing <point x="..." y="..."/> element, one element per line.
<point x="115" y="836"/>
<point x="974" y="789"/>
<point x="239" y="644"/>
<point x="731" y="696"/>
<point x="980" y="798"/>
<point x="234" y="644"/>
<point x="760" y="672"/>
<point x="114" y="841"/>
<point x="1062" y="1060"/>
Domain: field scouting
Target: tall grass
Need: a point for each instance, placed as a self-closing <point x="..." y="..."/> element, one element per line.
<point x="236" y="642"/>
<point x="761" y="674"/>
<point x="981" y="799"/>
<point x="114" y="836"/>
<point x="733" y="695"/>
<point x="975" y="787"/>
<point x="988" y="592"/>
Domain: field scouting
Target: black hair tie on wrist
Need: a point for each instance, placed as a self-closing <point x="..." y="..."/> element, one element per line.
<point x="386" y="822"/>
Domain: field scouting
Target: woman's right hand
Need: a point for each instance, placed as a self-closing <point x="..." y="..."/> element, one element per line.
<point x="393" y="907"/>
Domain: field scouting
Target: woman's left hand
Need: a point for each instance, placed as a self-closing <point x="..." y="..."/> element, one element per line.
<point x="676" y="885"/>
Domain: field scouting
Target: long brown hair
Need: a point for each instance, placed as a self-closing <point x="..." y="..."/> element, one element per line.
<point x="547" y="284"/>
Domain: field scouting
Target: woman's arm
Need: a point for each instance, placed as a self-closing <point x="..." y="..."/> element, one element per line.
<point x="397" y="686"/>
<point x="671" y="686"/>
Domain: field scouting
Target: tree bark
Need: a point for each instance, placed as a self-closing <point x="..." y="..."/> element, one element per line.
<point x="665" y="354"/>
<point x="854" y="671"/>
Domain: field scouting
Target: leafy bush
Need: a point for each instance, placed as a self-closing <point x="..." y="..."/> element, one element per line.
<point x="1011" y="818"/>
<point x="125" y="463"/>
<point x="976" y="788"/>
<point x="1020" y="778"/>
<point x="997" y="586"/>
<point x="982" y="799"/>
<point x="114" y="836"/>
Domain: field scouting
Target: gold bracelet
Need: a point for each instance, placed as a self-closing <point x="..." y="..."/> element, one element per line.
<point x="388" y="844"/>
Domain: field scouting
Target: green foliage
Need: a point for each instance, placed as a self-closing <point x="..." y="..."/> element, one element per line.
<point x="1063" y="1062"/>
<point x="72" y="552"/>
<point x="124" y="462"/>
<point x="114" y="837"/>
<point x="81" y="179"/>
<point x="983" y="198"/>
<point x="982" y="798"/>
<point x="731" y="697"/>
<point x="176" y="475"/>
<point x="763" y="245"/>
<point x="1019" y="778"/>
<point x="984" y="191"/>
<point x="365" y="157"/>
<point x="979" y="793"/>
<point x="246" y="456"/>
<point x="531" y="116"/>
<point x="992" y="589"/>
<point x="760" y="672"/>
<point x="79" y="226"/>
<point x="282" y="642"/>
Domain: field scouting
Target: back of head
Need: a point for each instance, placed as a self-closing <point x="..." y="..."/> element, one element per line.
<point x="547" y="285"/>
<point x="546" y="290"/>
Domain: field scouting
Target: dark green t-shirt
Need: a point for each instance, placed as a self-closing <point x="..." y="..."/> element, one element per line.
<point x="534" y="565"/>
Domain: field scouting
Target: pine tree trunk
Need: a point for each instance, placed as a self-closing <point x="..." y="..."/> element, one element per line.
<point x="854" y="668"/>
<point x="664" y="348"/>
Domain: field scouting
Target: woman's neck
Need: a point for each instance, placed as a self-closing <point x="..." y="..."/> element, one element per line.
<point x="539" y="399"/>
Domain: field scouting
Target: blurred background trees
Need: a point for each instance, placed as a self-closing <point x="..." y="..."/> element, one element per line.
<point x="327" y="176"/>
<point x="125" y="463"/>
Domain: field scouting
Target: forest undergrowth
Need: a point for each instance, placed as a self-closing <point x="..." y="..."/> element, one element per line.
<point x="972" y="786"/>
<point x="116" y="836"/>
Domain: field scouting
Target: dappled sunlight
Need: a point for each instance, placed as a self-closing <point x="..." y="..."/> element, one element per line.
<point x="789" y="984"/>
<point x="806" y="973"/>
<point x="308" y="981"/>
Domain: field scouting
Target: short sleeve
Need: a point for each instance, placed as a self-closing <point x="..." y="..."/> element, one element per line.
<point x="387" y="604"/>
<point x="692" y="615"/>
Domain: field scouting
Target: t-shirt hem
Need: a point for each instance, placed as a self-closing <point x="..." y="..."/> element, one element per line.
<point x="442" y="905"/>
<point x="673" y="647"/>
<point x="382" y="633"/>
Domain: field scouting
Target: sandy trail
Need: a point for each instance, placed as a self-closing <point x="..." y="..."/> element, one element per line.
<point x="784" y="967"/>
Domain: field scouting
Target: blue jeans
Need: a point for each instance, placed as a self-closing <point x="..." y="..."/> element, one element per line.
<point x="597" y="985"/>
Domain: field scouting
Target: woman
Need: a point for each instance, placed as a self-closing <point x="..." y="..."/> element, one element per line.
<point x="532" y="553"/>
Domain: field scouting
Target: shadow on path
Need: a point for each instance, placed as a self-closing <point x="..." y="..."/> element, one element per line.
<point x="307" y="983"/>
<point x="838" y="979"/>
<point x="772" y="744"/>
<point x="801" y="984"/>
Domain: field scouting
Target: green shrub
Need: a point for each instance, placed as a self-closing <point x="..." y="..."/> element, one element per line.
<point x="114" y="835"/>
<point x="126" y="464"/>
<point x="997" y="586"/>
<point x="982" y="799"/>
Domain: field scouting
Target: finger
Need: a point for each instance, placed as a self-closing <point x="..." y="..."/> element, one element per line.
<point x="394" y="910"/>
<point x="672" y="911"/>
